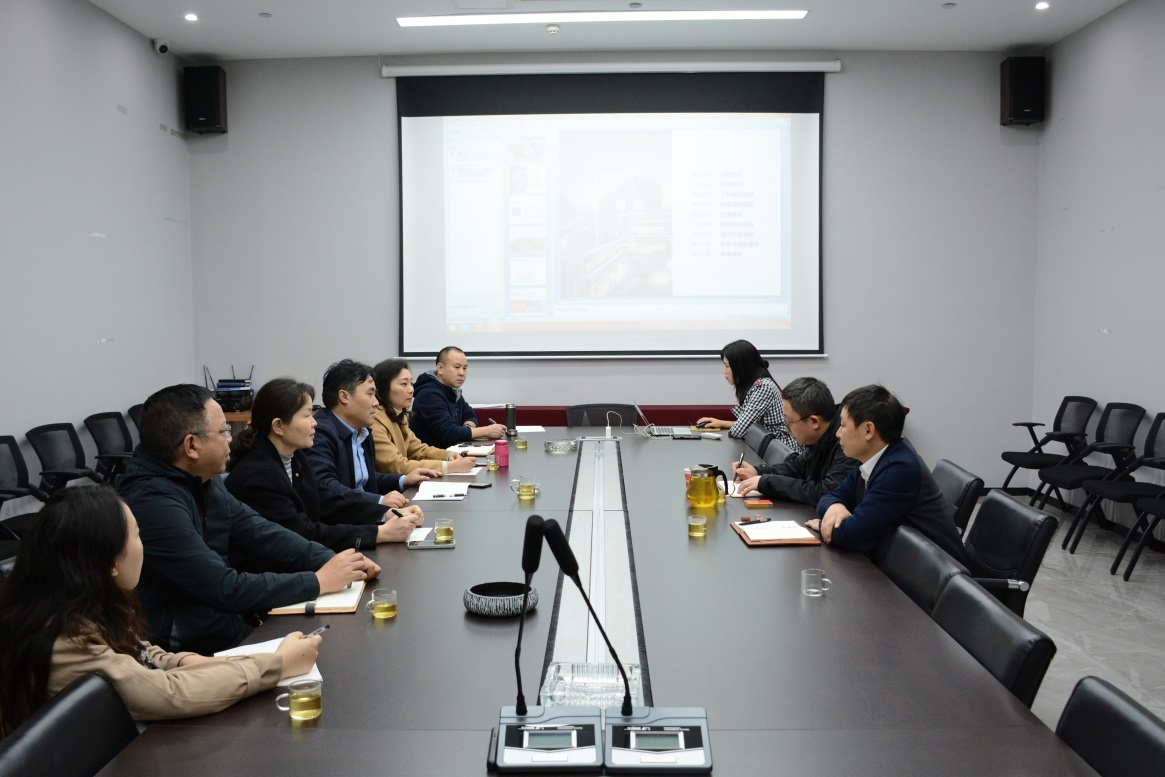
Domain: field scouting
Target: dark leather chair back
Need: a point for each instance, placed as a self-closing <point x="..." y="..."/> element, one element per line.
<point x="1011" y="649"/>
<point x="776" y="451"/>
<point x="960" y="487"/>
<point x="596" y="415"/>
<point x="1114" y="735"/>
<point x="74" y="735"/>
<point x="1006" y="546"/>
<point x="918" y="566"/>
<point x="757" y="438"/>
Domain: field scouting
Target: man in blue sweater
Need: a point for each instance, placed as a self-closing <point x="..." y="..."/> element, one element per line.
<point x="441" y="416"/>
<point x="890" y="487"/>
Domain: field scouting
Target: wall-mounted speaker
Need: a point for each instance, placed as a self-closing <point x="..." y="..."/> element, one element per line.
<point x="205" y="98"/>
<point x="1022" y="87"/>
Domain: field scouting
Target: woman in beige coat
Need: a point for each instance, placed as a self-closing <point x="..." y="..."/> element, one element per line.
<point x="68" y="608"/>
<point x="397" y="449"/>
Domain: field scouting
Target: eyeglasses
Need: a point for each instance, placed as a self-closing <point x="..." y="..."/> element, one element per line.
<point x="791" y="421"/>
<point x="224" y="432"/>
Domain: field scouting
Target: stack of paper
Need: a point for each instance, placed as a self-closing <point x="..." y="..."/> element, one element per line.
<point x="440" y="491"/>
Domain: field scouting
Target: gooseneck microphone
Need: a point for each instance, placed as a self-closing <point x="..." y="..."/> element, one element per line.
<point x="531" y="555"/>
<point x="569" y="565"/>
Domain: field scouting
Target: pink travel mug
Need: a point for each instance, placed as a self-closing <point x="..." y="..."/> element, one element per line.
<point x="502" y="453"/>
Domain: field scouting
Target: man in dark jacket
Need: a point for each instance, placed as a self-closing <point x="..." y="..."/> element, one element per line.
<point x="343" y="456"/>
<point x="194" y="600"/>
<point x="812" y="419"/>
<point x="441" y="416"/>
<point x="891" y="487"/>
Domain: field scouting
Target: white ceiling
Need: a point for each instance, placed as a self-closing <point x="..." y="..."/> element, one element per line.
<point x="233" y="29"/>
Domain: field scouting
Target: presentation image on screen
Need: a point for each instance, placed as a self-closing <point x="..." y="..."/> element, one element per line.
<point x="596" y="234"/>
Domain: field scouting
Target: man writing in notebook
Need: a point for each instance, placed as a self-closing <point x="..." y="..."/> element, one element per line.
<point x="812" y="419"/>
<point x="890" y="487"/>
<point x="189" y="523"/>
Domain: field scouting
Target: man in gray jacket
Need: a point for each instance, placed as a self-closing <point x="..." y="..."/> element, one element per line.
<point x="193" y="599"/>
<point x="812" y="418"/>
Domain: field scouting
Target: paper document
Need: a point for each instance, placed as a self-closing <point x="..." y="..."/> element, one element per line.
<point x="420" y="533"/>
<point x="440" y="491"/>
<point x="269" y="647"/>
<point x="777" y="530"/>
<point x="473" y="450"/>
<point x="473" y="471"/>
<point x="530" y="429"/>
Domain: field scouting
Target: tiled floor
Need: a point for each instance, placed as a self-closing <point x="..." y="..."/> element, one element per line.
<point x="1101" y="625"/>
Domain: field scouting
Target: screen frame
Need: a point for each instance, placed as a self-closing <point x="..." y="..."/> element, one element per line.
<point x="613" y="93"/>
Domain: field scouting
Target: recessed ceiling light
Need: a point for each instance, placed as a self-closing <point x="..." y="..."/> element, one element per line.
<point x="265" y="14"/>
<point x="191" y="17"/>
<point x="1043" y="6"/>
<point x="460" y="20"/>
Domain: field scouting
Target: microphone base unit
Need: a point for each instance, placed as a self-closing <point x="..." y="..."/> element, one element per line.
<point x="664" y="740"/>
<point x="549" y="739"/>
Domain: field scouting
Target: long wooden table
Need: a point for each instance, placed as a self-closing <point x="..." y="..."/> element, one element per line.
<point x="859" y="682"/>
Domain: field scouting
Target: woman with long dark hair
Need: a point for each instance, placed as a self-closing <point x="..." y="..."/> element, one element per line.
<point x="758" y="397"/>
<point x="397" y="448"/>
<point x="271" y="473"/>
<point x="68" y="608"/>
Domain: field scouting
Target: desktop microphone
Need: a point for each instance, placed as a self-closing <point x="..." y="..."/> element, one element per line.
<point x="569" y="565"/>
<point x="531" y="555"/>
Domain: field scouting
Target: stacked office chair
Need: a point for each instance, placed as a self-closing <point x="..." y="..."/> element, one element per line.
<point x="1006" y="546"/>
<point x="1010" y="648"/>
<point x="110" y="432"/>
<point x="14" y="484"/>
<point x="75" y="734"/>
<point x="919" y="567"/>
<point x="61" y="457"/>
<point x="961" y="489"/>
<point x="596" y="415"/>
<point x="1114" y="438"/>
<point x="1120" y="487"/>
<point x="758" y="439"/>
<point x="1114" y="735"/>
<point x="1067" y="429"/>
<point x="1149" y="514"/>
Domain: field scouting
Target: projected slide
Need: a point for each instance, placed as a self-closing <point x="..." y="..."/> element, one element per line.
<point x="592" y="233"/>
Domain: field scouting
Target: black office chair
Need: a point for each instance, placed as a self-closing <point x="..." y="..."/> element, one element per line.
<point x="135" y="415"/>
<point x="1011" y="649"/>
<point x="14" y="481"/>
<point x="918" y="567"/>
<point x="1149" y="514"/>
<point x="1067" y="429"/>
<point x="1122" y="488"/>
<point x="596" y="415"/>
<point x="61" y="457"/>
<point x="757" y="438"/>
<point x="75" y="734"/>
<point x="110" y="432"/>
<point x="960" y="487"/>
<point x="1005" y="547"/>
<point x="1114" y="438"/>
<point x="1114" y="735"/>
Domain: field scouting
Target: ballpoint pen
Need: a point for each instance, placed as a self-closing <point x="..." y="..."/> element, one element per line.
<point x="318" y="631"/>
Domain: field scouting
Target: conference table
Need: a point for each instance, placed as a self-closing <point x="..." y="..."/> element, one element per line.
<point x="857" y="682"/>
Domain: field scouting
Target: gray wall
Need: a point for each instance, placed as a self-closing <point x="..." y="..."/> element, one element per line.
<point x="1101" y="223"/>
<point x="929" y="206"/>
<point x="941" y="230"/>
<point x="82" y="150"/>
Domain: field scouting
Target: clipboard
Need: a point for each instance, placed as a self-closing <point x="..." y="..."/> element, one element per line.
<point x="347" y="600"/>
<point x="793" y="534"/>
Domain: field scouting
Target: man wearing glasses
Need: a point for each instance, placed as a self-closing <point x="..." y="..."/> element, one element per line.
<point x="189" y="523"/>
<point x="812" y="419"/>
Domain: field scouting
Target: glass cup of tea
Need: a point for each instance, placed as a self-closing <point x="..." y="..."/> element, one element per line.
<point x="814" y="582"/>
<point x="443" y="531"/>
<point x="491" y="462"/>
<point x="697" y="525"/>
<point x="304" y="699"/>
<point x="382" y="605"/>
<point x="521" y="443"/>
<point x="525" y="487"/>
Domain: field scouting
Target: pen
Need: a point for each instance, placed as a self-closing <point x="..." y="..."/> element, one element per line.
<point x="318" y="631"/>
<point x="741" y="460"/>
<point x="395" y="512"/>
<point x="358" y="539"/>
<point x="752" y="520"/>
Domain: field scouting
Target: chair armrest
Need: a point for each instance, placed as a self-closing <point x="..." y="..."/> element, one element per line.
<point x="1028" y="424"/>
<point x="1152" y="461"/>
<point x="1001" y="584"/>
<point x="113" y="456"/>
<point x="1062" y="435"/>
